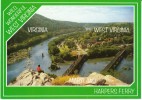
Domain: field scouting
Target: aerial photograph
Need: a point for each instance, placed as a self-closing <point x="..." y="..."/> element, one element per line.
<point x="73" y="46"/>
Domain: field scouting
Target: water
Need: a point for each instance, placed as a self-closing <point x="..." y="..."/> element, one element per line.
<point x="96" y="65"/>
<point x="126" y="70"/>
<point x="91" y="65"/>
<point x="13" y="70"/>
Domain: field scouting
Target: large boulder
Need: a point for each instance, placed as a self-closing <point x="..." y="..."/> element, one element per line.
<point x="110" y="80"/>
<point x="30" y="77"/>
<point x="95" y="79"/>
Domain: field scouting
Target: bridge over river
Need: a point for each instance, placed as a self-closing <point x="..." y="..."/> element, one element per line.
<point x="114" y="62"/>
<point x="77" y="65"/>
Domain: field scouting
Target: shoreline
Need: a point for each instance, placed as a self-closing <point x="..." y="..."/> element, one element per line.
<point x="17" y="56"/>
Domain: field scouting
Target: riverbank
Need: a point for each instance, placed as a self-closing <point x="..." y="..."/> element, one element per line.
<point x="17" y="56"/>
<point x="13" y="70"/>
<point x="27" y="43"/>
<point x="30" y="77"/>
<point x="19" y="51"/>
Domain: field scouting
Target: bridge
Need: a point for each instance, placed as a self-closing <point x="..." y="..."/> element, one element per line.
<point x="114" y="63"/>
<point x="76" y="65"/>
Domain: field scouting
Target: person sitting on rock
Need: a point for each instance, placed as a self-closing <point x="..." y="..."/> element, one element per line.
<point x="39" y="69"/>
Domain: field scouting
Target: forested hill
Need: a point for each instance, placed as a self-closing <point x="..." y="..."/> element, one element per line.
<point x="117" y="24"/>
<point x="54" y="27"/>
<point x="24" y="39"/>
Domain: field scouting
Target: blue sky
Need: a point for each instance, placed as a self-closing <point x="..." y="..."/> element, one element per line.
<point x="88" y="14"/>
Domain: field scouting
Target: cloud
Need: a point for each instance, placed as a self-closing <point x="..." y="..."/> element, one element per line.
<point x="91" y="14"/>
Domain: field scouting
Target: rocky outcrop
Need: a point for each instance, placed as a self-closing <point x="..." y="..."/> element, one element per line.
<point x="30" y="77"/>
<point x="95" y="79"/>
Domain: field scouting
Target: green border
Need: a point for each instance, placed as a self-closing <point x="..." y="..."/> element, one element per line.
<point x="0" y="48"/>
<point x="31" y="91"/>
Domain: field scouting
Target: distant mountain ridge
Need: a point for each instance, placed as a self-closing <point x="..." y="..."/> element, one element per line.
<point x="53" y="26"/>
<point x="23" y="38"/>
<point x="90" y="25"/>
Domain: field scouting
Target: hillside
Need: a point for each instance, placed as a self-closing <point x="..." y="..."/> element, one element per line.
<point x="119" y="24"/>
<point x="54" y="27"/>
<point x="95" y="44"/>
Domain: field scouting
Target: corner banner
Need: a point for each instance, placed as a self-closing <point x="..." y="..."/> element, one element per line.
<point x="77" y="49"/>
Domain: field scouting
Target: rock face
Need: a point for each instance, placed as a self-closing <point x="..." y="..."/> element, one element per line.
<point x="95" y="79"/>
<point x="31" y="78"/>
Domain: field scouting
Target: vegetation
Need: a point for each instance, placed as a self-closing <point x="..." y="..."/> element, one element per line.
<point x="129" y="49"/>
<point x="59" y="27"/>
<point x="17" y="56"/>
<point x="112" y="72"/>
<point x="60" y="80"/>
<point x="13" y="80"/>
<point x="62" y="52"/>
<point x="119" y="24"/>
<point x="26" y="43"/>
<point x="126" y="68"/>
<point x="24" y="39"/>
<point x="80" y="42"/>
<point x="52" y="75"/>
<point x="54" y="66"/>
<point x="68" y="47"/>
<point x="93" y="44"/>
<point x="103" y="51"/>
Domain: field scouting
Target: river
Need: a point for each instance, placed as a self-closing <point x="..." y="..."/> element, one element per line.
<point x="98" y="64"/>
<point x="13" y="70"/>
<point x="91" y="65"/>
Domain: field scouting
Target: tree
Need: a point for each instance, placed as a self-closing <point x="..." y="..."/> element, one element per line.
<point x="54" y="50"/>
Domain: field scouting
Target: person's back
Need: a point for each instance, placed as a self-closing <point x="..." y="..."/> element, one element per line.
<point x="39" y="69"/>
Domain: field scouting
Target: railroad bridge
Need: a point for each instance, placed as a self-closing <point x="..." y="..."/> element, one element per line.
<point x="76" y="65"/>
<point x="115" y="62"/>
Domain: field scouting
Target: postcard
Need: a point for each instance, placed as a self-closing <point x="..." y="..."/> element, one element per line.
<point x="75" y="49"/>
